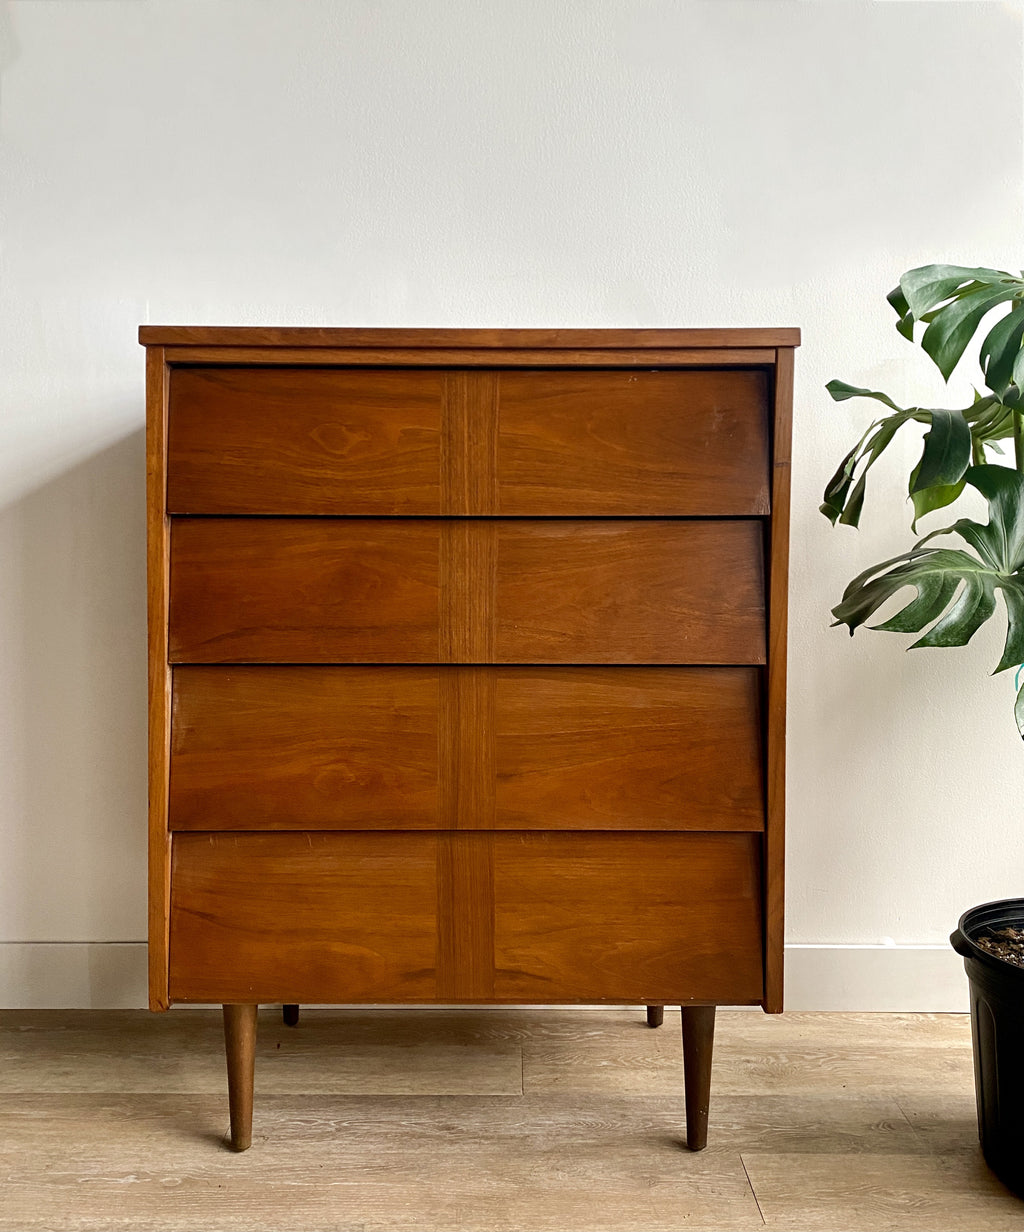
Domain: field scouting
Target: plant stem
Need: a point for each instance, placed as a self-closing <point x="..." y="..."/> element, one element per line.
<point x="1018" y="439"/>
<point x="977" y="452"/>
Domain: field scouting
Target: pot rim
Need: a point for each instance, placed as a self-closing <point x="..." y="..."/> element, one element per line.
<point x="998" y="913"/>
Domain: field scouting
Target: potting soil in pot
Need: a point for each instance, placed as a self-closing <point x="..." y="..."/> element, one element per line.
<point x="1004" y="943"/>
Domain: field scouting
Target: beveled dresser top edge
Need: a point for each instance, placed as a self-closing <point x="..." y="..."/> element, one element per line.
<point x="497" y="339"/>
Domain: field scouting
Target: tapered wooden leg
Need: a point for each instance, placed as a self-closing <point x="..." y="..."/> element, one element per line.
<point x="240" y="1045"/>
<point x="698" y="1041"/>
<point x="655" y="1015"/>
<point x="290" y="1013"/>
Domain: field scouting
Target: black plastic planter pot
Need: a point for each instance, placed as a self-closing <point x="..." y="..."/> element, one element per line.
<point x="997" y="1025"/>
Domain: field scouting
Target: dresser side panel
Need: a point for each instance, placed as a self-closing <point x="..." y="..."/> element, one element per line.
<point x="778" y="615"/>
<point x="159" y="674"/>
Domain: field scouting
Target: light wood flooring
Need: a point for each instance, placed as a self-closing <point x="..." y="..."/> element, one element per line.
<point x="511" y="1120"/>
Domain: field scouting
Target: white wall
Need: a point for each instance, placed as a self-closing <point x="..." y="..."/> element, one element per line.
<point x="500" y="163"/>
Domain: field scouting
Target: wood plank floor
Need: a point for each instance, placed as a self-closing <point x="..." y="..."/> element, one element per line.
<point x="509" y="1120"/>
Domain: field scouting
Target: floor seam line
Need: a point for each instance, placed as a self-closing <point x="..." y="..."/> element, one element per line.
<point x="753" y="1191"/>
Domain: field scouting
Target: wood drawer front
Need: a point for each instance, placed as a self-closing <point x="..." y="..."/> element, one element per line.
<point x="374" y="591"/>
<point x="401" y="748"/>
<point x="507" y="918"/>
<point x="627" y="748"/>
<point x="303" y="917"/>
<point x="658" y="443"/>
<point x="280" y="440"/>
<point x="638" y="917"/>
<point x="295" y="748"/>
<point x="313" y="440"/>
<point x="303" y="591"/>
<point x="629" y="592"/>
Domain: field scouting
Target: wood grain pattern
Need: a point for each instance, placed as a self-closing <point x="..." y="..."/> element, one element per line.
<point x="628" y="443"/>
<point x="430" y="340"/>
<point x="642" y="748"/>
<point x="357" y="747"/>
<point x="640" y="918"/>
<point x="303" y="590"/>
<point x="240" y="1049"/>
<point x="577" y="591"/>
<point x="372" y="441"/>
<point x="698" y="1022"/>
<point x="305" y="748"/>
<point x="353" y="917"/>
<point x="569" y="591"/>
<point x="159" y="674"/>
<point x="468" y="357"/>
<point x="313" y="441"/>
<point x="469" y="443"/>
<point x="778" y="623"/>
<point x="465" y="917"/>
<point x="303" y="917"/>
<point x="467" y="733"/>
<point x="468" y="569"/>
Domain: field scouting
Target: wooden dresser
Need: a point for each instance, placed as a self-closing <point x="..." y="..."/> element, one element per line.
<point x="467" y="668"/>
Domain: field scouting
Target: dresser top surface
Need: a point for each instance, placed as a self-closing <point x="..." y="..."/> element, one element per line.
<point x="496" y="339"/>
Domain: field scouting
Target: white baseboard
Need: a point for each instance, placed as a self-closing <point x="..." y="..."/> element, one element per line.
<point x="893" y="978"/>
<point x="64" y="975"/>
<point x="112" y="975"/>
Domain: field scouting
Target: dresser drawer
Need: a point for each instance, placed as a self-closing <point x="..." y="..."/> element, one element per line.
<point x="304" y="440"/>
<point x="614" y="442"/>
<point x="515" y="748"/>
<point x="429" y="590"/>
<point x="299" y="748"/>
<point x="303" y="917"/>
<point x="424" y="441"/>
<point x="658" y="917"/>
<point x="474" y="917"/>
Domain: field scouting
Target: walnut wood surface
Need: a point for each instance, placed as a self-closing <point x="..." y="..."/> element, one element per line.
<point x="159" y="675"/>
<point x="299" y="917"/>
<point x="303" y="917"/>
<point x="287" y="440"/>
<point x="621" y="748"/>
<point x="569" y="591"/>
<point x="303" y="591"/>
<point x="240" y="1050"/>
<point x="369" y="441"/>
<point x="627" y="443"/>
<point x="659" y="917"/>
<point x="698" y="1045"/>
<point x="775" y="719"/>
<point x="300" y="747"/>
<point x="629" y="592"/>
<point x="468" y="357"/>
<point x="431" y="339"/>
<point x="610" y="748"/>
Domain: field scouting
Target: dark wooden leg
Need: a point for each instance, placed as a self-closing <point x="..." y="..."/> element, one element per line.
<point x="290" y="1013"/>
<point x="655" y="1015"/>
<point x="698" y="1041"/>
<point x="240" y="1044"/>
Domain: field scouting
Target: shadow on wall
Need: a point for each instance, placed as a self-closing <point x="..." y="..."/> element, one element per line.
<point x="73" y="672"/>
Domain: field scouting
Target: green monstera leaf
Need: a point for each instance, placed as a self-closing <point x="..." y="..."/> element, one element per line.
<point x="952" y="300"/>
<point x="956" y="588"/>
<point x="954" y="438"/>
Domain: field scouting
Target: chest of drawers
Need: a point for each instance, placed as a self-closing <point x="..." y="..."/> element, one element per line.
<point x="467" y="671"/>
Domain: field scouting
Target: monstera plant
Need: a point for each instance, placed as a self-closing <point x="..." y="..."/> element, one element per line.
<point x="955" y="583"/>
<point x="955" y="574"/>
